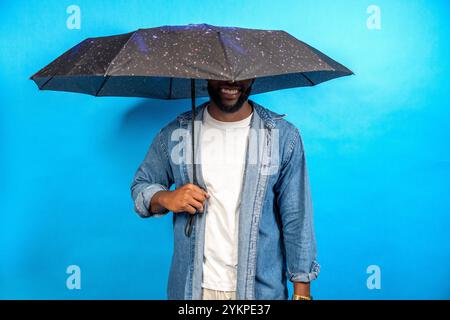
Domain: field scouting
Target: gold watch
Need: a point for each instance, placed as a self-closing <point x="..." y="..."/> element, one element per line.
<point x="299" y="297"/>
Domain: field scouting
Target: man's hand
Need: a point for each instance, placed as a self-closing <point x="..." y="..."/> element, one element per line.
<point x="187" y="198"/>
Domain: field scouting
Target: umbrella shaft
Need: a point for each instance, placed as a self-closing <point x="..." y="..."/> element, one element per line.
<point x="190" y="222"/>
<point x="193" y="136"/>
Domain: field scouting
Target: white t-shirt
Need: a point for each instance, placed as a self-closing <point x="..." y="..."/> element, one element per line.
<point x="223" y="154"/>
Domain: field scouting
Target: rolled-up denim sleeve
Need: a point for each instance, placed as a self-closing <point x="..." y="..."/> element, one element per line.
<point x="294" y="202"/>
<point x="153" y="175"/>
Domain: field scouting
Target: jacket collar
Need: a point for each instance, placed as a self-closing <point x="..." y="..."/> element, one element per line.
<point x="268" y="117"/>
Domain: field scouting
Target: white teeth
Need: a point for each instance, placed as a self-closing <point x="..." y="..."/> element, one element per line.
<point x="229" y="91"/>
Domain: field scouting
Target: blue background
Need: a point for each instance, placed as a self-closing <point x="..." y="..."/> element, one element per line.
<point x="377" y="147"/>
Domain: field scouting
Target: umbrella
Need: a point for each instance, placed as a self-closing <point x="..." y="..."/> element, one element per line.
<point x="175" y="62"/>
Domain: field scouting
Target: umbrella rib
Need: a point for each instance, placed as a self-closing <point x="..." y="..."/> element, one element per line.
<point x="309" y="80"/>
<point x="225" y="54"/>
<point x="42" y="87"/>
<point x="102" y="85"/>
<point x="117" y="54"/>
<point x="106" y="75"/>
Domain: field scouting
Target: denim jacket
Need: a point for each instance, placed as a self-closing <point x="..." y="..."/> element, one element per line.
<point x="276" y="240"/>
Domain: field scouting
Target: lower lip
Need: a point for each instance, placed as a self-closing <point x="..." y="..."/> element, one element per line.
<point x="229" y="96"/>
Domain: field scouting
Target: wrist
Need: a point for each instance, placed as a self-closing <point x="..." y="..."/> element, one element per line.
<point x="302" y="289"/>
<point x="158" y="201"/>
<point x="161" y="199"/>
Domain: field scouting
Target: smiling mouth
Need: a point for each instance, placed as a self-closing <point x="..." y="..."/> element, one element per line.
<point x="230" y="93"/>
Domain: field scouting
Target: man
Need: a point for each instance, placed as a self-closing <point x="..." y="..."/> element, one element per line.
<point x="253" y="226"/>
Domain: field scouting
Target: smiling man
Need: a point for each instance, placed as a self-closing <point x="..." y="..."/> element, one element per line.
<point x="254" y="227"/>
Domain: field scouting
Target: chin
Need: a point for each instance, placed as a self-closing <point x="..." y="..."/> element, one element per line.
<point x="228" y="104"/>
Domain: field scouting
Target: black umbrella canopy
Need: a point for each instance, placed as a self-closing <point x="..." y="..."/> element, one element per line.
<point x="174" y="62"/>
<point x="160" y="62"/>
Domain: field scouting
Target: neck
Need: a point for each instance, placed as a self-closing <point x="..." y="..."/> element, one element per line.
<point x="218" y="114"/>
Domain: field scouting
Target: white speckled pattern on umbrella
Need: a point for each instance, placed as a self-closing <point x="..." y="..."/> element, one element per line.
<point x="159" y="62"/>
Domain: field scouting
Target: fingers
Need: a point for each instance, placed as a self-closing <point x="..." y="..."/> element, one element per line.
<point x="194" y="198"/>
<point x="199" y="196"/>
<point x="197" y="189"/>
<point x="196" y="204"/>
<point x="190" y="209"/>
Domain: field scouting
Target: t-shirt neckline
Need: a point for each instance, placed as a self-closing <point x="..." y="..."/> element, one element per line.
<point x="226" y="124"/>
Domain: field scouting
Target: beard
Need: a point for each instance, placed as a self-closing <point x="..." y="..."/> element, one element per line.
<point x="215" y="97"/>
